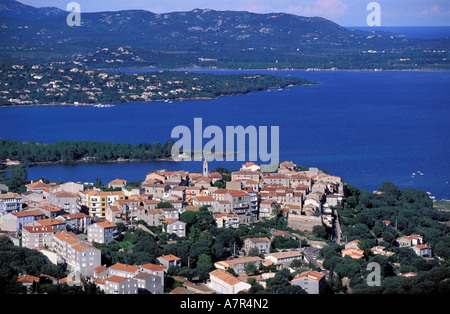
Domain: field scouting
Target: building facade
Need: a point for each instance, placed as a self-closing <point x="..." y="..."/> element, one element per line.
<point x="96" y="202"/>
<point x="102" y="232"/>
<point x="312" y="282"/>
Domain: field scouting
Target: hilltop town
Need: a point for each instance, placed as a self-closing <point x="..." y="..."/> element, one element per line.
<point x="210" y="232"/>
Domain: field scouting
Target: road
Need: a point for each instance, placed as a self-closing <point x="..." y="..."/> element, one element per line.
<point x="337" y="228"/>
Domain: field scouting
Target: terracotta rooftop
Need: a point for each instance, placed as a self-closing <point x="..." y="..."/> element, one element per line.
<point x="178" y="290"/>
<point x="28" y="213"/>
<point x="106" y="224"/>
<point x="68" y="237"/>
<point x="38" y="185"/>
<point x="124" y="267"/>
<point x="314" y="275"/>
<point x="258" y="240"/>
<point x="38" y="229"/>
<point x="153" y="267"/>
<point x="27" y="279"/>
<point x="225" y="276"/>
<point x="116" y="278"/>
<point x="170" y="257"/>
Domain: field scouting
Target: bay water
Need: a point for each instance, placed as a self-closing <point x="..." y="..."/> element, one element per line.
<point x="365" y="126"/>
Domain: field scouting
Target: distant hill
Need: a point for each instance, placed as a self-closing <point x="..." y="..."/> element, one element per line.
<point x="196" y="29"/>
<point x="17" y="9"/>
<point x="206" y="37"/>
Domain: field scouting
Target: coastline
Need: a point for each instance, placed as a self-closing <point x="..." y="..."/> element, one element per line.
<point x="83" y="162"/>
<point x="76" y="162"/>
<point x="194" y="67"/>
<point x="93" y="161"/>
<point x="156" y="100"/>
<point x="222" y="95"/>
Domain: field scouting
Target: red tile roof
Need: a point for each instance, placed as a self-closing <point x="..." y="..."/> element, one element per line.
<point x="38" y="185"/>
<point x="170" y="257"/>
<point x="314" y="275"/>
<point x="124" y="267"/>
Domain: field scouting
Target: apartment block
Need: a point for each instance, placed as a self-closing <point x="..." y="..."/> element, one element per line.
<point x="37" y="236"/>
<point x="120" y="285"/>
<point x="9" y="203"/>
<point x="79" y="254"/>
<point x="223" y="282"/>
<point x="312" y="282"/>
<point x="102" y="232"/>
<point x="96" y="202"/>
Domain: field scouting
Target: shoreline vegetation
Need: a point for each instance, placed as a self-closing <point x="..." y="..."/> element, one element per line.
<point x="31" y="154"/>
<point x="28" y="154"/>
<point x="49" y="85"/>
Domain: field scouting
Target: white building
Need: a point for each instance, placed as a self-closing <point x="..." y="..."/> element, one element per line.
<point x="284" y="259"/>
<point x="9" y="203"/>
<point x="250" y="166"/>
<point x="14" y="222"/>
<point x="120" y="285"/>
<point x="223" y="282"/>
<point x="79" y="254"/>
<point x="102" y="232"/>
<point x="174" y="226"/>
<point x="123" y="270"/>
<point x="37" y="236"/>
<point x="262" y="244"/>
<point x="227" y="220"/>
<point x="312" y="282"/>
<point x="422" y="250"/>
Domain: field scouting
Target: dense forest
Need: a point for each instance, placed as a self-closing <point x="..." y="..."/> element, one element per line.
<point x="410" y="211"/>
<point x="30" y="153"/>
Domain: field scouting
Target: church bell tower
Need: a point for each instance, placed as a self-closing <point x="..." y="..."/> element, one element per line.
<point x="205" y="168"/>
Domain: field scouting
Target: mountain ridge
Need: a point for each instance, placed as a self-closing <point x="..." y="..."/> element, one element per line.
<point x="13" y="8"/>
<point x="231" y="38"/>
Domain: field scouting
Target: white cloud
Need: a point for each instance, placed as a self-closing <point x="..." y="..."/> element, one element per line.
<point x="435" y="10"/>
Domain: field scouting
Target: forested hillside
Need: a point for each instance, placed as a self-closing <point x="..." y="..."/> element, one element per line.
<point x="363" y="217"/>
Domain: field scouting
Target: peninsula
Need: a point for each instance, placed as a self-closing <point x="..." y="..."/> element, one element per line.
<point x="39" y="84"/>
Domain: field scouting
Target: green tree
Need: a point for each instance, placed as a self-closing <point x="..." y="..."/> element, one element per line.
<point x="250" y="269"/>
<point x="188" y="217"/>
<point x="164" y="205"/>
<point x="204" y="266"/>
<point x="320" y="231"/>
<point x="18" y="178"/>
<point x="98" y="183"/>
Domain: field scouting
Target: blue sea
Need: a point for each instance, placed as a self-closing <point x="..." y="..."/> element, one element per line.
<point x="367" y="127"/>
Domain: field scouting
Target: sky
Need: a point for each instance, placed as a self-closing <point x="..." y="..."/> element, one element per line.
<point x="343" y="12"/>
